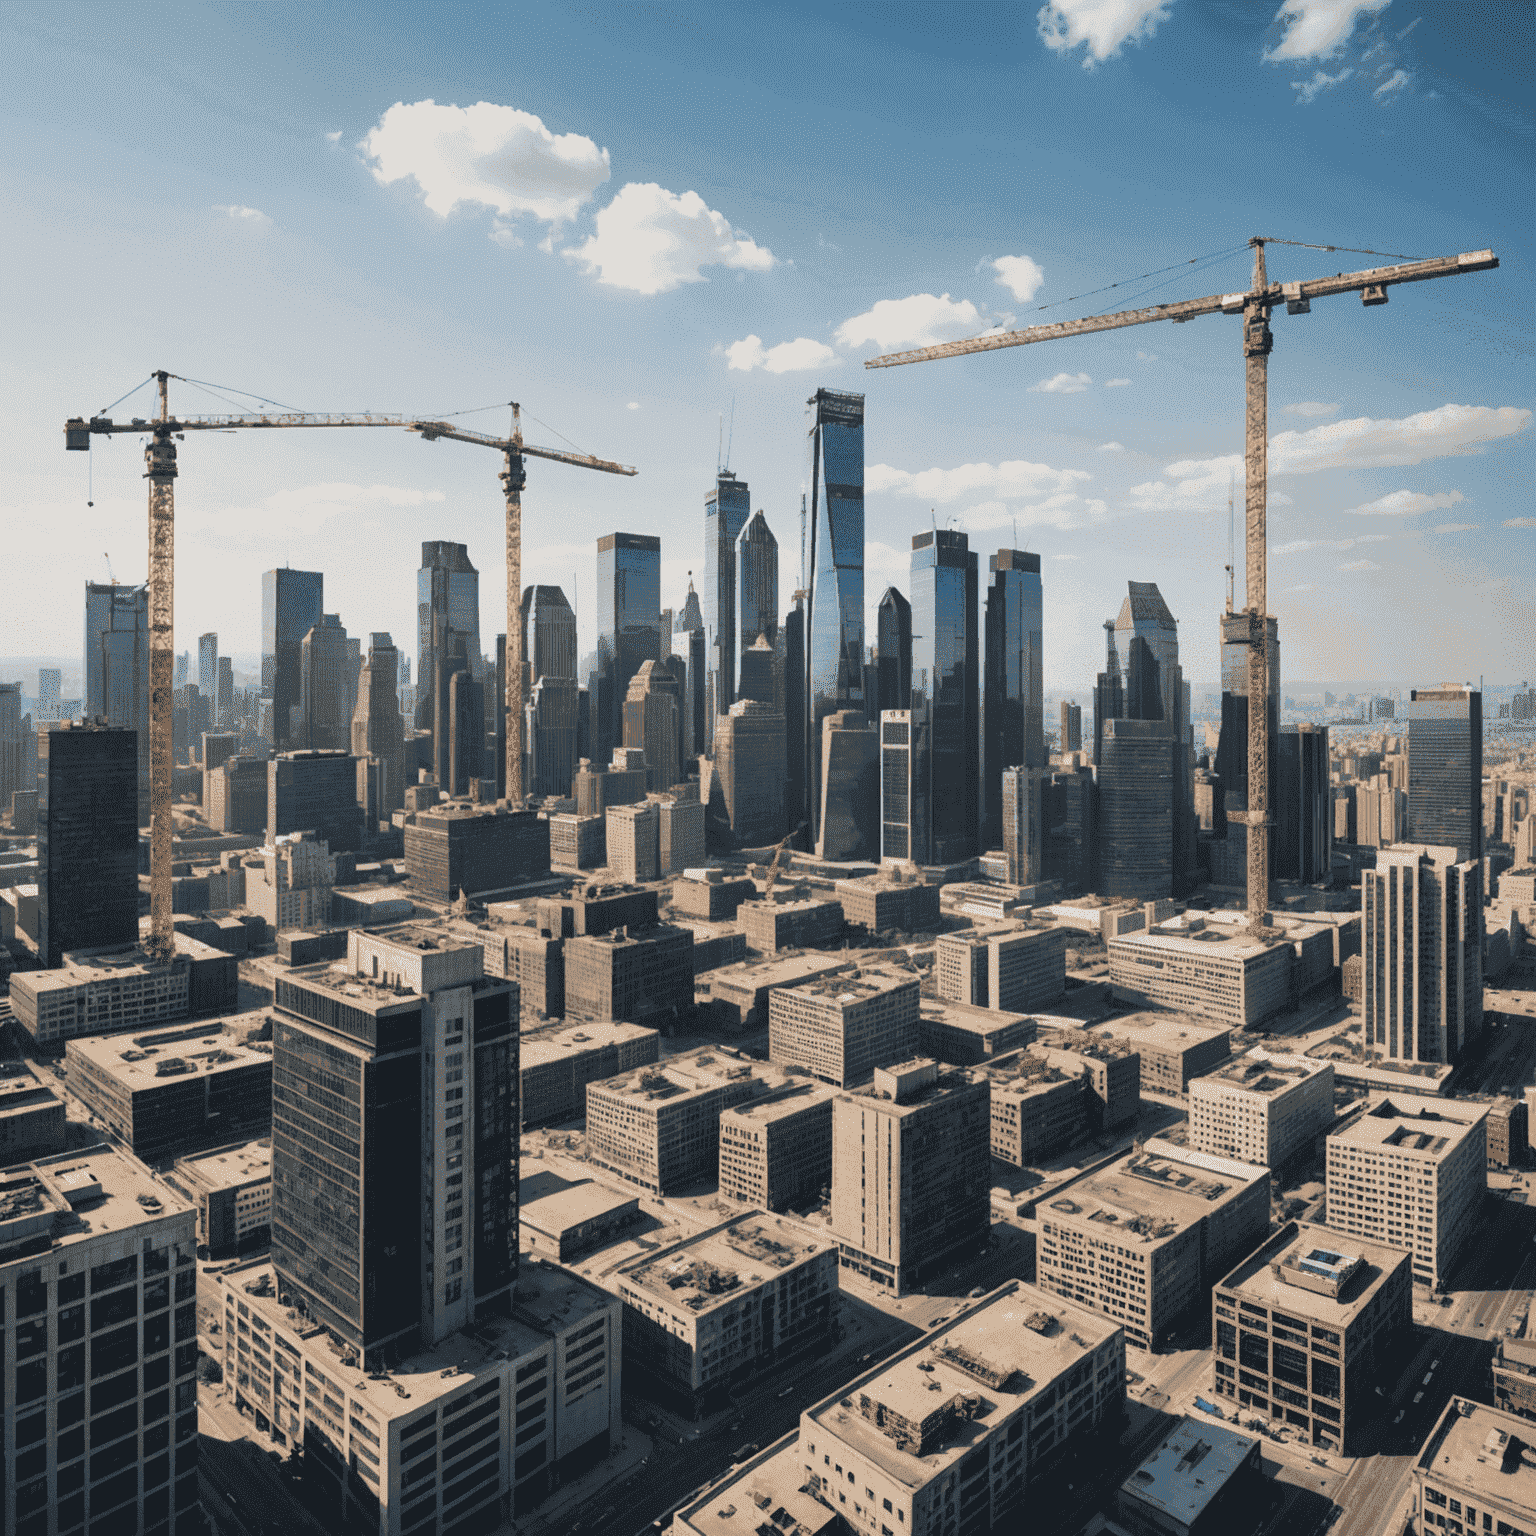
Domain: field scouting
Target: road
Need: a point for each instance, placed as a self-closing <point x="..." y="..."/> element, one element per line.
<point x="264" y="1503"/>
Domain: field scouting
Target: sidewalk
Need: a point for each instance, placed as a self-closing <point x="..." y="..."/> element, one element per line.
<point x="634" y="1450"/>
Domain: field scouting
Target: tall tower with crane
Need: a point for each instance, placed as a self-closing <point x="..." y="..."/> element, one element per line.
<point x="1255" y="306"/>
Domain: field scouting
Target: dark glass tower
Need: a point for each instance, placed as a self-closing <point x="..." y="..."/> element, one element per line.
<point x="447" y="597"/>
<point x="757" y="588"/>
<point x="893" y="644"/>
<point x="292" y="603"/>
<point x="691" y="646"/>
<point x="726" y="509"/>
<point x="117" y="666"/>
<point x="797" y="810"/>
<point x="834" y="642"/>
<point x="1014" y="686"/>
<point x="946" y="695"/>
<point x="549" y="634"/>
<point x="628" y="629"/>
<point x="1445" y="769"/>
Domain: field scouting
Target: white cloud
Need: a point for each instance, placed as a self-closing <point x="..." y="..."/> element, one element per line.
<point x="788" y="357"/>
<point x="1360" y="565"/>
<point x="1520" y="522"/>
<point x="1102" y="27"/>
<point x="1296" y="546"/>
<point x="1318" y="29"/>
<point x="1016" y="479"/>
<point x="334" y="138"/>
<point x="1062" y="384"/>
<point x="634" y="405"/>
<point x="920" y="320"/>
<point x="505" y="238"/>
<point x="650" y="240"/>
<point x="1064" y="510"/>
<point x="302" y="509"/>
<point x="1392" y="84"/>
<point x="1116" y="383"/>
<point x="1307" y="91"/>
<point x="1454" y="528"/>
<point x="1408" y="503"/>
<point x="242" y="214"/>
<point x="1111" y="447"/>
<point x="1019" y="275"/>
<point x="493" y="155"/>
<point x="1146" y="357"/>
<point x="1310" y="408"/>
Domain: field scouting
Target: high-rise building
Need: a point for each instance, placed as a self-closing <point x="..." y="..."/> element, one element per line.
<point x="628" y="629"/>
<point x="1445" y="769"/>
<point x="1302" y="807"/>
<point x="893" y="664"/>
<point x="117" y="667"/>
<point x="294" y="885"/>
<point x="550" y="735"/>
<point x="1071" y="739"/>
<point x="49" y="694"/>
<point x="1068" y="829"/>
<point x="690" y="644"/>
<point x="414" y="1052"/>
<point x="650" y="723"/>
<point x="848" y="787"/>
<point x="315" y="792"/>
<point x="834" y="637"/>
<point x="377" y="729"/>
<point x="549" y="634"/>
<point x="1108" y="692"/>
<point x="208" y="663"/>
<point x="1135" y="821"/>
<point x="291" y="605"/>
<point x="797" y="807"/>
<point x="1230" y="857"/>
<point x="756" y="605"/>
<point x="1261" y="1108"/>
<point x="224" y="695"/>
<point x="726" y="509"/>
<point x="458" y="715"/>
<point x="447" y="598"/>
<point x="841" y="1028"/>
<point x="12" y="749"/>
<point x="1422" y="947"/>
<point x="327" y="695"/>
<point x="1013" y="712"/>
<point x="1023" y="844"/>
<point x="87" y="840"/>
<point x="749" y="758"/>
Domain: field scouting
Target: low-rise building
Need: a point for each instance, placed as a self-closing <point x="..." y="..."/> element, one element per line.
<point x="1173" y="1049"/>
<point x="634" y="841"/>
<point x="31" y="1115"/>
<point x="956" y="1429"/>
<point x="1413" y="1175"/>
<point x="1212" y="970"/>
<point x="1201" y="1481"/>
<point x="771" y="926"/>
<point x="1144" y="1238"/>
<point x="967" y="1036"/>
<point x="574" y="1220"/>
<point x="776" y="1151"/>
<point x="555" y="1066"/>
<point x="841" y="1028"/>
<point x="644" y="976"/>
<point x="1508" y="1144"/>
<point x="1037" y="1108"/>
<point x="714" y="945"/>
<point x="1110" y="1070"/>
<point x="879" y="904"/>
<point x="232" y="1190"/>
<point x="1478" y="1464"/>
<point x="1262" y="1108"/>
<point x="739" y="995"/>
<point x="772" y="1481"/>
<point x="1305" y="1326"/>
<point x="718" y="1308"/>
<point x="708" y="894"/>
<point x="1514" y="1375"/>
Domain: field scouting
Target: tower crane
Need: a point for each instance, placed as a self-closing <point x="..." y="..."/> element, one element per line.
<point x="160" y="471"/>
<point x="1254" y="305"/>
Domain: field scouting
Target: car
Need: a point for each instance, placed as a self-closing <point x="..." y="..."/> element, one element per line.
<point x="977" y="1290"/>
<point x="1398" y="1416"/>
<point x="742" y="1452"/>
<point x="1429" y="1376"/>
<point x="786" y="1391"/>
<point x="1418" y="1397"/>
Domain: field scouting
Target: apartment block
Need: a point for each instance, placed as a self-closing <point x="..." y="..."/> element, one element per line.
<point x="1143" y="1239"/>
<point x="573" y="1219"/>
<point x="643" y="976"/>
<point x="1305" y="1327"/>
<point x="911" y="1172"/>
<point x="1213" y="970"/>
<point x="1173" y="1050"/>
<point x="884" y="905"/>
<point x="556" y="1065"/>
<point x="433" y="1441"/>
<point x="841" y="1028"/>
<point x="719" y="1308"/>
<point x="955" y="1430"/>
<point x="1413" y="1174"/>
<point x="967" y="1036"/>
<point x="776" y="1151"/>
<point x="232" y="1189"/>
<point x="1037" y="1108"/>
<point x="293" y="887"/>
<point x="96" y="1221"/>
<point x="1476" y="1465"/>
<point x="1261" y="1108"/>
<point x="771" y="926"/>
<point x="31" y="1115"/>
<point x="1111" y="1074"/>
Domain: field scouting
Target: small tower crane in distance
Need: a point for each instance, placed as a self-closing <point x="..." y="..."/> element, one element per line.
<point x="1254" y="306"/>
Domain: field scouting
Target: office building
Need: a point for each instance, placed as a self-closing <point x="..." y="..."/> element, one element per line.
<point x="1508" y="1132"/>
<point x="628" y="629"/>
<point x="556" y="1066"/>
<point x="680" y="832"/>
<point x="457" y="722"/>
<point x="526" y="954"/>
<point x="13" y="746"/>
<point x="457" y="848"/>
<point x="1037" y="1108"/>
<point x="292" y="604"/>
<point x="310" y="791"/>
<point x="87" y="839"/>
<point x="650" y="724"/>
<point x="878" y="904"/>
<point x="1229" y="853"/>
<point x="1305" y="1327"/>
<point x="715" y="1310"/>
<point x="1013" y="711"/>
<point x="633" y="841"/>
<point x="848" y="787"/>
<point x="834" y="625"/>
<point x="1412" y="1173"/>
<point x="755" y="609"/>
<point x="1202" y="1480"/>
<point x="1422" y="952"/>
<point x="750" y="760"/>
<point x="1476" y="1463"/>
<point x="235" y="796"/>
<point x="31" y="1115"/>
<point x="1068" y="827"/>
<point x="447" y="600"/>
<point x="208" y="664"/>
<point x="1110" y="1072"/>
<point x="911" y="1172"/>
<point x="550" y="735"/>
<point x="49" y="692"/>
<point x="97" y="1214"/>
<point x="117" y="668"/>
<point x="1143" y="1239"/>
<point x="377" y="731"/>
<point x="293" y="887"/>
<point x="842" y="1028"/>
<point x="643" y="976"/>
<point x="594" y="909"/>
<point x="364" y="1053"/>
<point x="574" y="1219"/>
<point x="757" y="669"/>
<point x="708" y="894"/>
<point x="224" y="697"/>
<point x="1261" y="1108"/>
<point x="1302" y="805"/>
<point x="659" y="1127"/>
<point x="1514" y="1374"/>
<point x="727" y="508"/>
<point x="1134" y="823"/>
<point x="688" y="640"/>
<point x="600" y="785"/>
<point x="965" y="1036"/>
<point x="1020" y="831"/>
<point x="172" y="1088"/>
<point x="577" y="842"/>
<point x="231" y="1186"/>
<point x="1017" y="970"/>
<point x="1213" y="970"/>
<point x="1445" y="769"/>
<point x="893" y="660"/>
<point x="776" y="1151"/>
<point x="771" y="926"/>
<point x="1071" y="735"/>
<point x="549" y="634"/>
<point x="1174" y="1050"/>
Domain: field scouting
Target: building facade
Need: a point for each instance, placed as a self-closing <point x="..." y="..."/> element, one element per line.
<point x="291" y="605"/>
<point x="776" y="1151"/>
<point x="1445" y="769"/>
<point x="842" y="1028"/>
<point x="117" y="666"/>
<point x="1261" y="1108"/>
<point x="1013" y="712"/>
<point x="628" y="629"/>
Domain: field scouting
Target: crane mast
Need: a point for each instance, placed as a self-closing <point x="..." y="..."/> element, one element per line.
<point x="1254" y="306"/>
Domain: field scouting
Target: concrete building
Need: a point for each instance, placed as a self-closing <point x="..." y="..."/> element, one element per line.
<point x="1109" y="1069"/>
<point x="633" y="840"/>
<point x="964" y="1423"/>
<point x="1210" y="969"/>
<point x="1413" y="1175"/>
<point x="1167" y="1496"/>
<point x="31" y="1115"/>
<point x="1306" y="1325"/>
<point x="738" y="995"/>
<point x="750" y="760"/>
<point x="1508" y="1132"/>
<point x="715" y="1310"/>
<point x="598" y="785"/>
<point x="659" y="1127"/>
<point x="1173" y="1050"/>
<point x="310" y="791"/>
<point x="642" y="975"/>
<point x="679" y="834"/>
<point x="376" y="729"/>
<point x="1143" y="1239"/>
<point x="434" y="1444"/>
<point x="847" y="776"/>
<point x="1026" y="970"/>
<point x="577" y="842"/>
<point x="1022" y="828"/>
<point x="556" y="1067"/>
<point x="1514" y="1375"/>
<point x="1037" y="1108"/>
<point x="1261" y="1108"/>
<point x="97" y="1214"/>
<point x="293" y="887"/>
<point x="231" y="1186"/>
<point x="235" y="796"/>
<point x="771" y="925"/>
<point x="652" y="723"/>
<point x="842" y="1028"/>
<point x="328" y="667"/>
<point x="707" y="893"/>
<point x="776" y="1151"/>
<point x="458" y="848"/>
<point x="966" y="1036"/>
<point x="1476" y="1463"/>
<point x="89" y="994"/>
<point x="1070" y="738"/>
<point x="528" y="955"/>
<point x="911" y="1172"/>
<point x="592" y="909"/>
<point x="882" y="905"/>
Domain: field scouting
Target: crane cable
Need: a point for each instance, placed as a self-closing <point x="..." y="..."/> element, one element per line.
<point x="1353" y="250"/>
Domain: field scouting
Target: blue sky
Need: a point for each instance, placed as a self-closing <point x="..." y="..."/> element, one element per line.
<point x="633" y="218"/>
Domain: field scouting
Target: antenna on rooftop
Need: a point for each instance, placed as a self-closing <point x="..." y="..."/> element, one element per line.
<point x="720" y="445"/>
<point x="731" y="435"/>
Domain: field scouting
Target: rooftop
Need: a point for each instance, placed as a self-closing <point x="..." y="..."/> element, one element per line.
<point x="238" y="1163"/>
<point x="151" y="1059"/>
<point x="572" y="1040"/>
<point x="1198" y="938"/>
<point x="916" y="1083"/>
<point x="1149" y="1195"/>
<point x="795" y="1099"/>
<point x="1484" y="1452"/>
<point x="1261" y="1073"/>
<point x="966" y="1016"/>
<point x="572" y="1206"/>
<point x="697" y="1072"/>
<point x="767" y="1489"/>
<point x="720" y="1265"/>
<point x="1159" y="1031"/>
<point x="784" y="970"/>
<point x="1356" y="1265"/>
<point x="1189" y="1469"/>
<point x="1413" y="1125"/>
<point x="22" y="1090"/>
<point x="856" y="986"/>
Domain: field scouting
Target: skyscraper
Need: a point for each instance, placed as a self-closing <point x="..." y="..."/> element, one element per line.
<point x="327" y="696"/>
<point x="117" y="666"/>
<point x="1014" y="709"/>
<point x="447" y="597"/>
<point x="1230" y="861"/>
<point x="797" y="808"/>
<point x="893" y="645"/>
<point x="650" y="723"/>
<point x="549" y="634"/>
<point x="377" y="729"/>
<point x="749" y="754"/>
<point x="756" y="606"/>
<point x="1108" y="692"/>
<point x="1135" y="818"/>
<point x="208" y="663"/>
<point x="945" y="698"/>
<point x="1302" y="807"/>
<point x="224" y="694"/>
<point x="549" y="651"/>
<point x="11" y="745"/>
<point x="690" y="645"/>
<point x="834" y="638"/>
<point x="1021" y="833"/>
<point x="1445" y="768"/>
<point x="291" y="605"/>
<point x="1071" y="739"/>
<point x="628" y="629"/>
<point x="726" y="509"/>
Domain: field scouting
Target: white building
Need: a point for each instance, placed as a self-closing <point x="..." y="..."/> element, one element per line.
<point x="1261" y="1108"/>
<point x="293" y="887"/>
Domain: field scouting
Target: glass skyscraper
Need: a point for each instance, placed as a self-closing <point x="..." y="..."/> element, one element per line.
<point x="1014" y="685"/>
<point x="726" y="509"/>
<point x="291" y="605"/>
<point x="117" y="665"/>
<point x="893" y="662"/>
<point x="756" y="604"/>
<point x="628" y="629"/>
<point x="207" y="664"/>
<point x="834" y="649"/>
<point x="1445" y="769"/>
<point x="447" y="597"/>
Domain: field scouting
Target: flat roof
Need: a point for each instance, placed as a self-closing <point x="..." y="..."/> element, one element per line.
<point x="1206" y="941"/>
<point x="575" y="1039"/>
<point x="158" y="1058"/>
<point x="573" y="1206"/>
<point x="967" y="1016"/>
<point x="1484" y="1451"/>
<point x="1148" y="1196"/>
<point x="751" y="976"/>
<point x="241" y="1163"/>
<point x="701" y="1071"/>
<point x="717" y="1268"/>
<point x="1264" y="1074"/>
<point x="1189" y="1469"/>
<point x="1413" y="1124"/>
<point x="1323" y="1251"/>
<point x="869" y="982"/>
<point x="768" y="1489"/>
<point x="1160" y="1031"/>
<point x="22" y="1091"/>
<point x="918" y="1095"/>
<point x="1009" y="1348"/>
<point x="93" y="1192"/>
<point x="801" y="1094"/>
